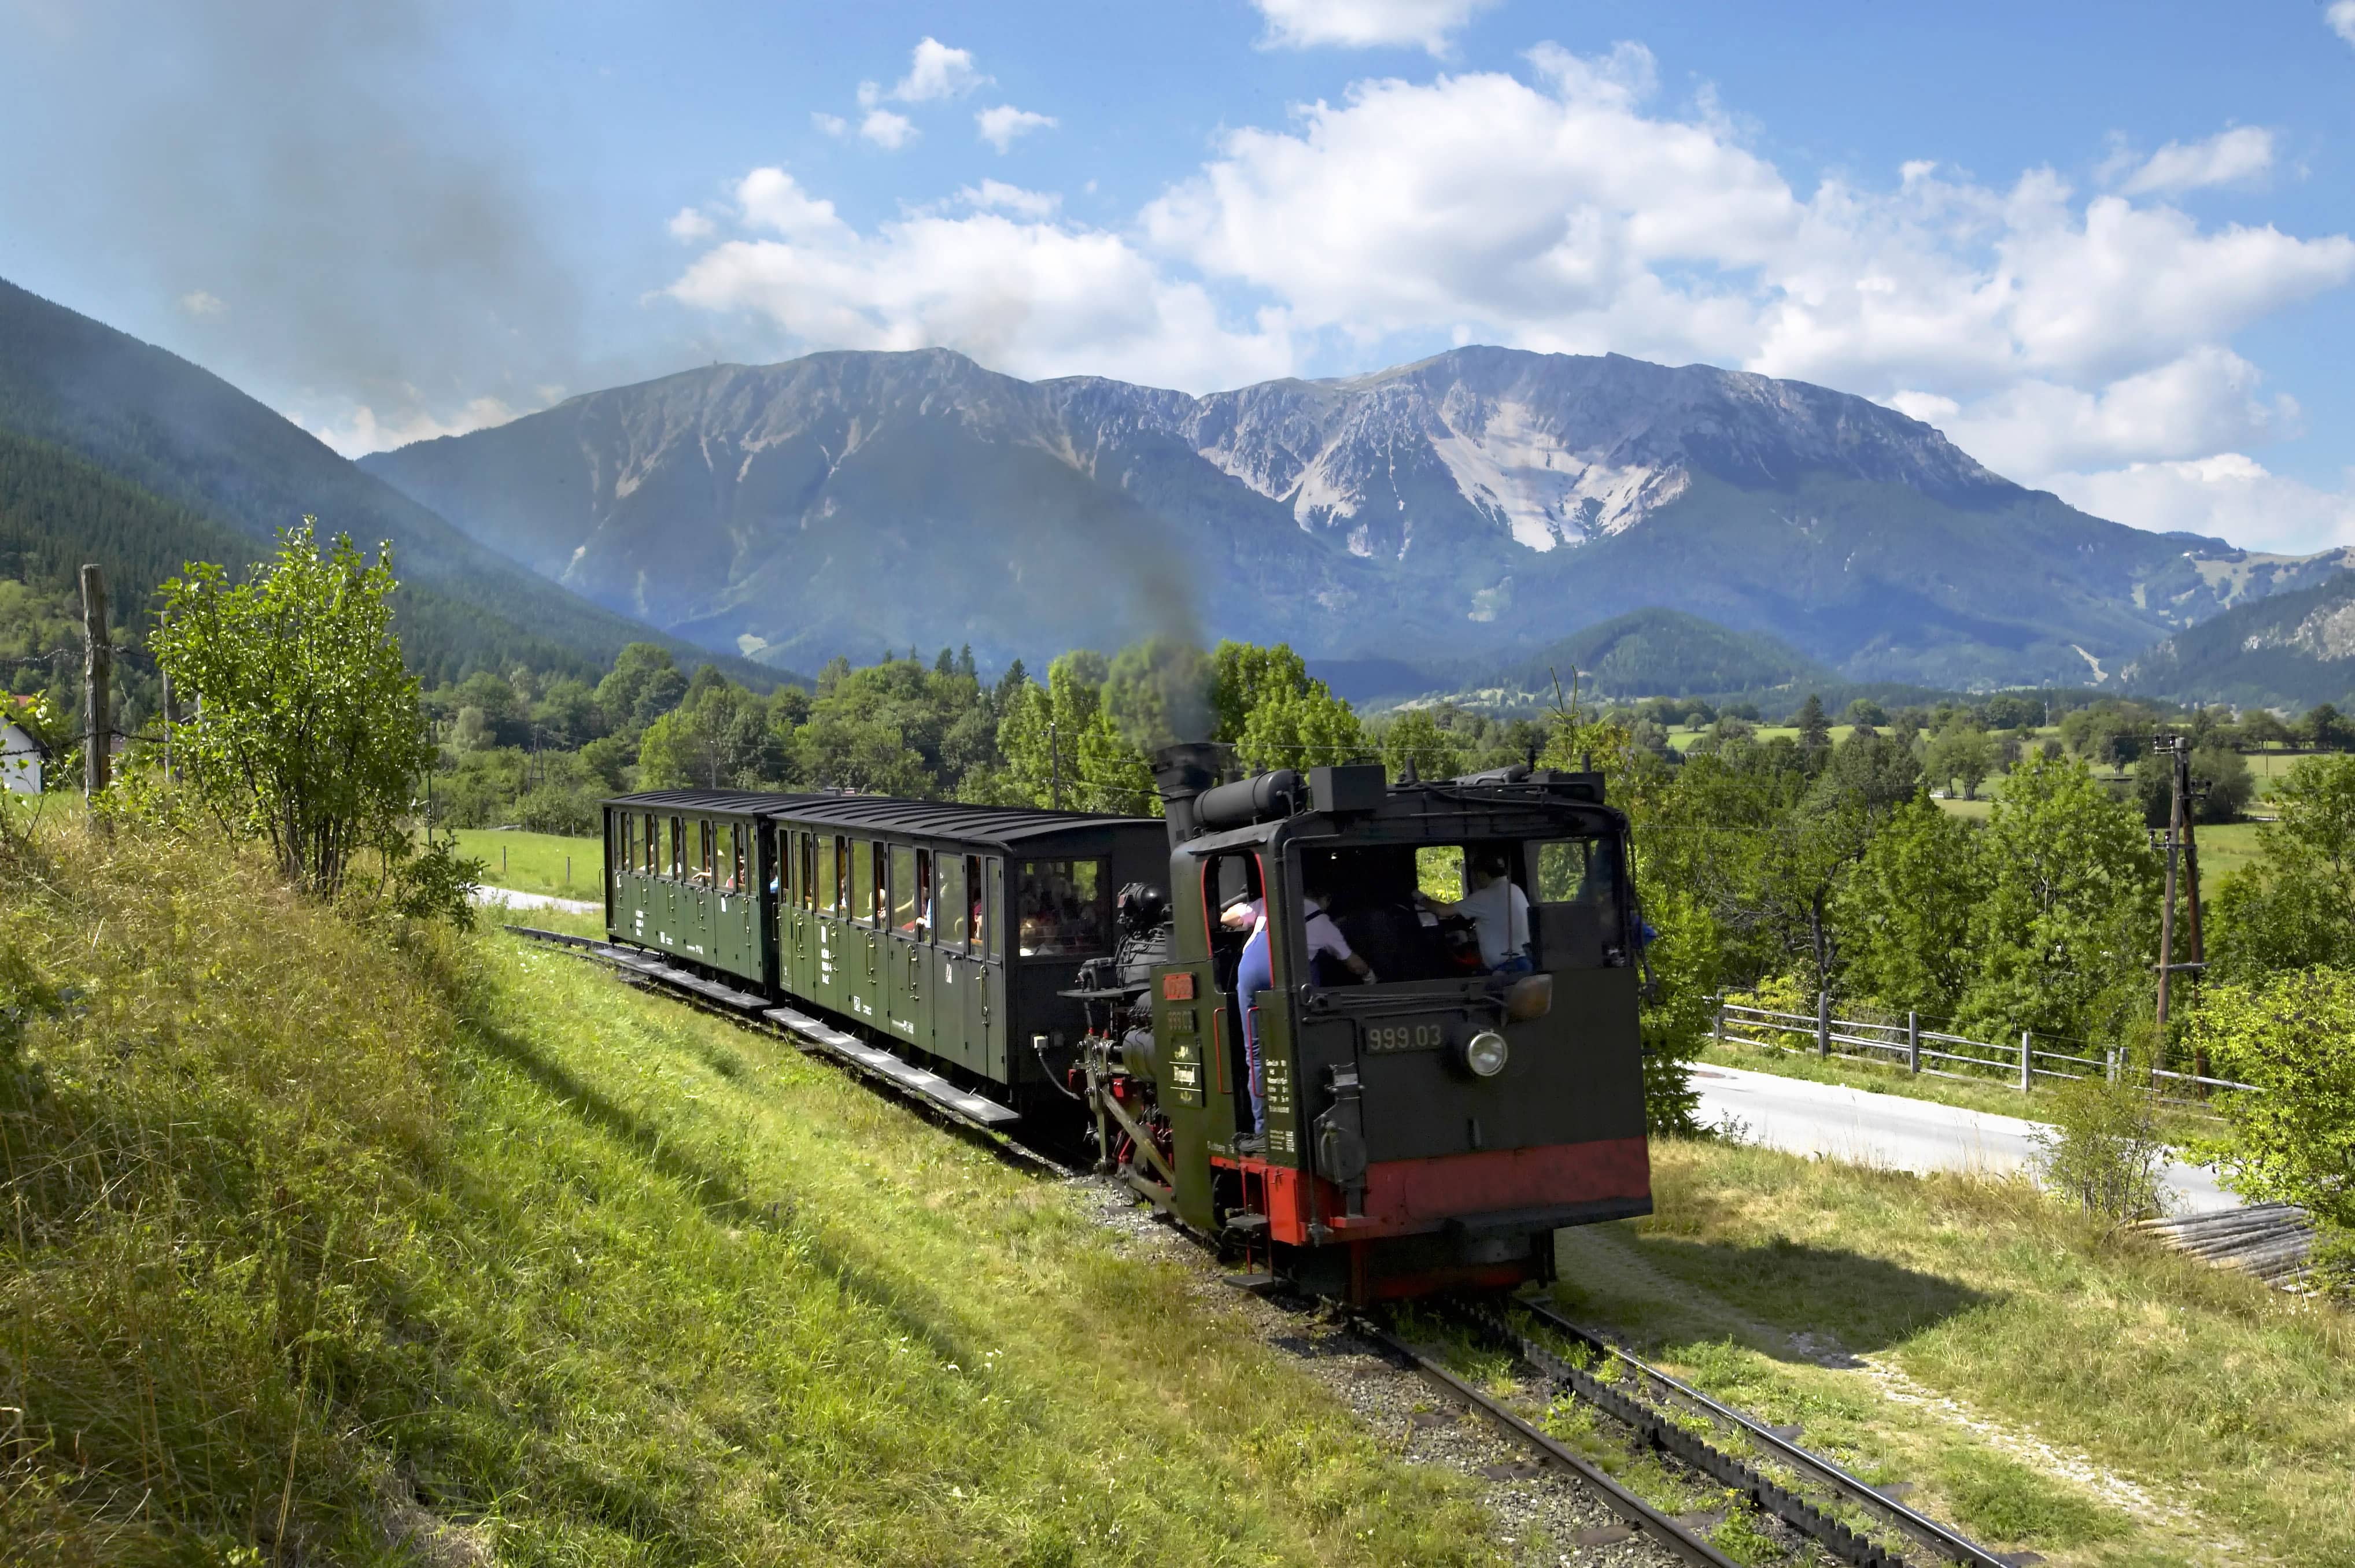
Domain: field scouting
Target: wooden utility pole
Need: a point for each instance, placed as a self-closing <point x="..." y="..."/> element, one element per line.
<point x="97" y="672"/>
<point x="2171" y="747"/>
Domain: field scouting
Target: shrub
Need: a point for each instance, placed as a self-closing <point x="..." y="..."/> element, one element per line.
<point x="2104" y="1150"/>
<point x="2293" y="1038"/>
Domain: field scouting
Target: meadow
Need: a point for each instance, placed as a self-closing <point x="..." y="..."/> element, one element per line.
<point x="335" y="1238"/>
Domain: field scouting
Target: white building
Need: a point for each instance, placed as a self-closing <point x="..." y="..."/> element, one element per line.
<point x="21" y="757"/>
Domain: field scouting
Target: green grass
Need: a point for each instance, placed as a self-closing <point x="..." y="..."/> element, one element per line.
<point x="539" y="863"/>
<point x="1776" y="1282"/>
<point x="373" y="1228"/>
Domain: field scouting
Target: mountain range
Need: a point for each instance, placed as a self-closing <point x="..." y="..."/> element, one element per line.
<point x="1484" y="502"/>
<point x="117" y="451"/>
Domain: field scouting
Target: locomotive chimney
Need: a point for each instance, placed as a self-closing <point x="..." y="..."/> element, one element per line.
<point x="1182" y="772"/>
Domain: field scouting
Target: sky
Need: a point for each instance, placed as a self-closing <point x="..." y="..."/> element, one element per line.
<point x="2105" y="246"/>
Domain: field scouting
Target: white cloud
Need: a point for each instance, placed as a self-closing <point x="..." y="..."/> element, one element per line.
<point x="998" y="195"/>
<point x="1000" y="125"/>
<point x="773" y="200"/>
<point x="937" y="72"/>
<point x="887" y="129"/>
<point x="689" y="225"/>
<point x="830" y="125"/>
<point x="360" y="430"/>
<point x="202" y="305"/>
<point x="2229" y="494"/>
<point x="2342" y="18"/>
<point x="1364" y="23"/>
<point x="1022" y="295"/>
<point x="2237" y="157"/>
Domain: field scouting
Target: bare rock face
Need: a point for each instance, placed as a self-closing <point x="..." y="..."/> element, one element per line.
<point x="1483" y="499"/>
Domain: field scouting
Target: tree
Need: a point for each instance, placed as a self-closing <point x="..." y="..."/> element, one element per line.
<point x="1814" y="729"/>
<point x="2328" y="729"/>
<point x="308" y="731"/>
<point x="642" y="685"/>
<point x="1300" y="730"/>
<point x="1158" y="693"/>
<point x="2294" y="907"/>
<point x="1243" y="676"/>
<point x="1414" y="739"/>
<point x="1960" y="753"/>
<point x="1865" y="711"/>
<point x="2293" y="1038"/>
<point x="2262" y="728"/>
<point x="2068" y="928"/>
<point x="1905" y="912"/>
<point x="2220" y="781"/>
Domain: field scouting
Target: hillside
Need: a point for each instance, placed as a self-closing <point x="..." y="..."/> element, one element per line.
<point x="1484" y="501"/>
<point x="2292" y="649"/>
<point x="1644" y="653"/>
<point x="330" y="1246"/>
<point x="221" y="474"/>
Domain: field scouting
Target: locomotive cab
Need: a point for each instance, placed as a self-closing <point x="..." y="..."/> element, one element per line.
<point x="1431" y="1127"/>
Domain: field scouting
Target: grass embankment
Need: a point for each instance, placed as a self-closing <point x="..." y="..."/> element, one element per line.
<point x="331" y="1245"/>
<point x="2008" y="1328"/>
<point x="539" y="863"/>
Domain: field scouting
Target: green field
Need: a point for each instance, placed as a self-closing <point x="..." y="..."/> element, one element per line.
<point x="539" y="863"/>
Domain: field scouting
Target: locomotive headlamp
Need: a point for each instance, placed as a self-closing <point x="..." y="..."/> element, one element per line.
<point x="1486" y="1053"/>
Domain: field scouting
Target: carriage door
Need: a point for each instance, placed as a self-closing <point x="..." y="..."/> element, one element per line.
<point x="985" y="1006"/>
<point x="908" y="1014"/>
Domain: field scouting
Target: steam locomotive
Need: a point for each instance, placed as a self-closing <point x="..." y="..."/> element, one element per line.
<point x="1429" y="1123"/>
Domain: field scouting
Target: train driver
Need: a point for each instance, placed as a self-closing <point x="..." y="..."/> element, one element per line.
<point x="1498" y="910"/>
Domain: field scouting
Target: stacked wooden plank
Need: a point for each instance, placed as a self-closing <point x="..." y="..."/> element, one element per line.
<point x="2272" y="1241"/>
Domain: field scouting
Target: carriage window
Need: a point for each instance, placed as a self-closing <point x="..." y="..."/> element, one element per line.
<point x="623" y="843"/>
<point x="976" y="899"/>
<point x="957" y="918"/>
<point x="651" y="857"/>
<point x="877" y="910"/>
<point x="709" y="863"/>
<point x="923" y="896"/>
<point x="903" y="891"/>
<point x="738" y="877"/>
<point x="808" y="843"/>
<point x="859" y="904"/>
<point x="827" y="885"/>
<point x="1065" y="909"/>
<point x="678" y="847"/>
<point x="1579" y="896"/>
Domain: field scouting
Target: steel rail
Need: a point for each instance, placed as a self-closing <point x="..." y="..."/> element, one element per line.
<point x="1948" y="1544"/>
<point x="1618" y="1498"/>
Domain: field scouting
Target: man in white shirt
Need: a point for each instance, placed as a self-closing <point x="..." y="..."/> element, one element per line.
<point x="1498" y="910"/>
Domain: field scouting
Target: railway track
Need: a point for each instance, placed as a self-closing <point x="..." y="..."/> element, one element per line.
<point x="1811" y="1495"/>
<point x="1775" y="1475"/>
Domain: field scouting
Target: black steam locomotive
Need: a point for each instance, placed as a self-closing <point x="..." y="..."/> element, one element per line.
<point x="1439" y="978"/>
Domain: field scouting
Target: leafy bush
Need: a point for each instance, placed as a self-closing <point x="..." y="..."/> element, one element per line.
<point x="2293" y="1038"/>
<point x="2104" y="1150"/>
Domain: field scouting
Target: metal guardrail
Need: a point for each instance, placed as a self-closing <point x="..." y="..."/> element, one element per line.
<point x="1910" y="1045"/>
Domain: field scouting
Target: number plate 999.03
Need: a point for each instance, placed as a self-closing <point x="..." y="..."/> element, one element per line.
<point x="1384" y="1038"/>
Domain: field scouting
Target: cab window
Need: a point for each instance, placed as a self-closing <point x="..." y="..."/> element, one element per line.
<point x="1578" y="899"/>
<point x="1065" y="909"/>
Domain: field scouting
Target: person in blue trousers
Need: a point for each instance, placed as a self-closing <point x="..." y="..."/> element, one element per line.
<point x="1253" y="974"/>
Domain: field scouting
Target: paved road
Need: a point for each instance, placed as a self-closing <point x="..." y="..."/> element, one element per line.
<point x="1893" y="1130"/>
<point x="509" y="897"/>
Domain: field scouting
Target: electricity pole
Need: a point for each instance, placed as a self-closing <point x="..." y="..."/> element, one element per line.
<point x="97" y="672"/>
<point x="2177" y="749"/>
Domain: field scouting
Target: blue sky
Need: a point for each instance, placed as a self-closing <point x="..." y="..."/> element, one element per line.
<point x="2105" y="247"/>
